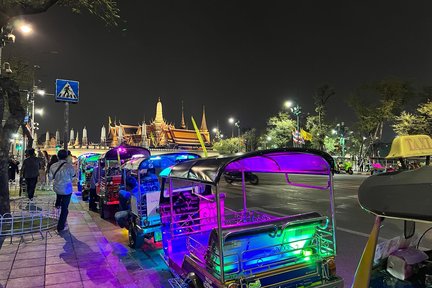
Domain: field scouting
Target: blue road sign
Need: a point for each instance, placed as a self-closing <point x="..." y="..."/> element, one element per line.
<point x="67" y="91"/>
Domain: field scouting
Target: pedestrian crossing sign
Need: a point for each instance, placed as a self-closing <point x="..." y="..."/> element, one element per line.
<point x="67" y="91"/>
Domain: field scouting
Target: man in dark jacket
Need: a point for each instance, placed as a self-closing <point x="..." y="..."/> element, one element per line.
<point x="30" y="170"/>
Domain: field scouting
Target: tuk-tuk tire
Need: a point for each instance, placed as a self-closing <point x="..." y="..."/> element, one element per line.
<point x="254" y="180"/>
<point x="193" y="281"/>
<point x="350" y="171"/>
<point x="101" y="208"/>
<point x="229" y="180"/>
<point x="136" y="239"/>
<point x="84" y="195"/>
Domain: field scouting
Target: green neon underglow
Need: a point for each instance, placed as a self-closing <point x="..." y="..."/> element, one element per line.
<point x="293" y="245"/>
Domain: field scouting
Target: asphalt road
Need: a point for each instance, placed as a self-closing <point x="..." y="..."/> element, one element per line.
<point x="353" y="223"/>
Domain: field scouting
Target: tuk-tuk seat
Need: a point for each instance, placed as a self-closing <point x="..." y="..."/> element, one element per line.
<point x="257" y="245"/>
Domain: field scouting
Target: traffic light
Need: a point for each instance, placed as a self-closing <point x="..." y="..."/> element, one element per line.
<point x="18" y="146"/>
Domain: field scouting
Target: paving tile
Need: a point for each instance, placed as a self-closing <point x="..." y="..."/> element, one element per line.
<point x="30" y="255"/>
<point x="4" y="274"/>
<point x="26" y="282"/>
<point x="93" y="256"/>
<point x="56" y="268"/>
<point x="87" y="263"/>
<point x="31" y="248"/>
<point x="3" y="283"/>
<point x="67" y="259"/>
<point x="7" y="257"/>
<point x="96" y="273"/>
<point x="106" y="283"/>
<point x="8" y="249"/>
<point x="6" y="265"/>
<point x="69" y="285"/>
<point x="29" y="263"/>
<point x="55" y="246"/>
<point x="57" y="252"/>
<point x="27" y="272"/>
<point x="58" y="278"/>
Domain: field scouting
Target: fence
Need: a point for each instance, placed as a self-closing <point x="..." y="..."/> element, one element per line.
<point x="29" y="217"/>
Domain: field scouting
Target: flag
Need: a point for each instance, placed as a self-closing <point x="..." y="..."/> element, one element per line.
<point x="306" y="135"/>
<point x="297" y="138"/>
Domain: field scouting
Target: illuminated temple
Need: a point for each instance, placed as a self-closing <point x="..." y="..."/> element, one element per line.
<point x="159" y="133"/>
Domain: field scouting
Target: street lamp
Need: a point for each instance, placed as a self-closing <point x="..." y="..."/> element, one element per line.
<point x="296" y="110"/>
<point x="7" y="37"/>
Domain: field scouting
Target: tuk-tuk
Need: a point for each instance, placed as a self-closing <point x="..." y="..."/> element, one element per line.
<point x="343" y="165"/>
<point x="403" y="195"/>
<point x="145" y="217"/>
<point x="86" y="163"/>
<point x="208" y="243"/>
<point x="110" y="175"/>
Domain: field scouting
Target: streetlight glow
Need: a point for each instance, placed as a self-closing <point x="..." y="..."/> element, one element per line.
<point x="25" y="28"/>
<point x="231" y="120"/>
<point x="215" y="130"/>
<point x="40" y="92"/>
<point x="288" y="104"/>
<point x="269" y="138"/>
<point x="39" y="111"/>
<point x="334" y="131"/>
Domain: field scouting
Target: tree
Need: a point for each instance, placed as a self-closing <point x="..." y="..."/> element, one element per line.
<point x="321" y="97"/>
<point x="389" y="97"/>
<point x="12" y="108"/>
<point x="229" y="146"/>
<point x="330" y="144"/>
<point x="419" y="123"/>
<point x="280" y="128"/>
<point x="251" y="140"/>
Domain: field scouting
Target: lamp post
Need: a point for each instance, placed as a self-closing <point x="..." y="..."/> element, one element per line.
<point x="296" y="110"/>
<point x="231" y="121"/>
<point x="237" y="124"/>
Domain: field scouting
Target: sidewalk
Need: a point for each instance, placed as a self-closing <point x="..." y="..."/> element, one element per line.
<point x="93" y="253"/>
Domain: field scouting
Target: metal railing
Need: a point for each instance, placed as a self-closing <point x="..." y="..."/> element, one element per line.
<point x="28" y="217"/>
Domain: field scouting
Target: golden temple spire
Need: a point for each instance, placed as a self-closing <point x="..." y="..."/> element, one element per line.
<point x="159" y="115"/>
<point x="203" y="121"/>
<point x="183" y="124"/>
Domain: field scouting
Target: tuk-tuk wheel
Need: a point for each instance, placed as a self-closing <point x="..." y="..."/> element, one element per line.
<point x="350" y="171"/>
<point x="101" y="208"/>
<point x="229" y="180"/>
<point x="254" y="179"/>
<point x="136" y="239"/>
<point x="193" y="281"/>
<point x="84" y="195"/>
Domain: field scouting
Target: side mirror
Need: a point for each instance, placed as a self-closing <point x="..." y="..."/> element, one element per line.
<point x="409" y="229"/>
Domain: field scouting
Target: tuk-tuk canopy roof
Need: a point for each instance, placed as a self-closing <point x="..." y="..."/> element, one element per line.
<point x="289" y="160"/>
<point x="159" y="161"/>
<point x="402" y="195"/>
<point x="125" y="152"/>
<point x="410" y="146"/>
<point x="89" y="157"/>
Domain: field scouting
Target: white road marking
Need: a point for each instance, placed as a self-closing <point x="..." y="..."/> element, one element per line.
<point x="358" y="233"/>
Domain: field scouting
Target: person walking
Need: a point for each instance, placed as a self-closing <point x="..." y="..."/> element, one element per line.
<point x="62" y="174"/>
<point x="93" y="182"/>
<point x="13" y="168"/>
<point x="54" y="159"/>
<point x="30" y="172"/>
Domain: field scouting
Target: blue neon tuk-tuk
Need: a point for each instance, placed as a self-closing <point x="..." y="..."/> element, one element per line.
<point x="144" y="214"/>
<point x="212" y="237"/>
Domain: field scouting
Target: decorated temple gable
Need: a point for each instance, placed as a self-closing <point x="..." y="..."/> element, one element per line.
<point x="159" y="133"/>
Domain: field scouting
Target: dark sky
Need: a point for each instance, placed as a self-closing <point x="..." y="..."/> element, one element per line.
<point x="239" y="58"/>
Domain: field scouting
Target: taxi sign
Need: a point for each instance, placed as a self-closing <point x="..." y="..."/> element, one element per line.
<point x="410" y="146"/>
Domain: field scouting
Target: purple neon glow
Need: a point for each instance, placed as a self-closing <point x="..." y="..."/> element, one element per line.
<point x="282" y="163"/>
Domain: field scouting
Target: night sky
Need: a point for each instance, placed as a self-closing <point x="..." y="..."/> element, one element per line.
<point x="238" y="58"/>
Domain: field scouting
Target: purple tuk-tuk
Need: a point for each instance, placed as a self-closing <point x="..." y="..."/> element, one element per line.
<point x="212" y="236"/>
